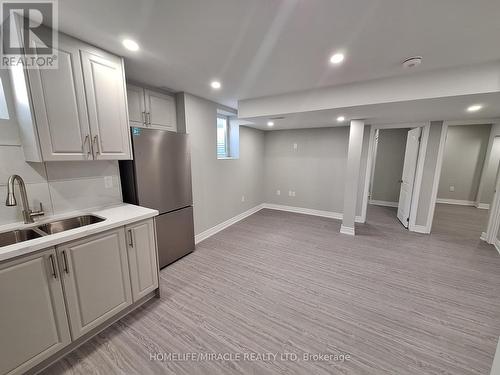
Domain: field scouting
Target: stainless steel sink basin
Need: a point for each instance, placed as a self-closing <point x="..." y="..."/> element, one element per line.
<point x="15" y="236"/>
<point x="71" y="223"/>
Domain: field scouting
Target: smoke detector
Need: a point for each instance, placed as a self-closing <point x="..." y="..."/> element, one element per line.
<point x="412" y="62"/>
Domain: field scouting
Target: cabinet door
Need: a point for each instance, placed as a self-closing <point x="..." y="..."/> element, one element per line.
<point x="161" y="110"/>
<point x="59" y="105"/>
<point x="142" y="258"/>
<point x="106" y="100"/>
<point x="33" y="324"/>
<point x="96" y="279"/>
<point x="136" y="106"/>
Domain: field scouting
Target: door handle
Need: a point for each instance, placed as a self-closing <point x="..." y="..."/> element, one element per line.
<point x="97" y="147"/>
<point x="65" y="260"/>
<point x="53" y="266"/>
<point x="400" y="181"/>
<point x="131" y="238"/>
<point x="86" y="144"/>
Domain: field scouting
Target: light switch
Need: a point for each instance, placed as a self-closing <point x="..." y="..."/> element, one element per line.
<point x="452" y="188"/>
<point x="295" y="147"/>
<point x="278" y="192"/>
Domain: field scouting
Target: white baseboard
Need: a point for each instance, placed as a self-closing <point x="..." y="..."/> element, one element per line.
<point x="420" y="229"/>
<point x="211" y="231"/>
<point x="309" y="211"/>
<point x="458" y="202"/>
<point x="497" y="245"/>
<point x="483" y="206"/>
<point x="347" y="230"/>
<point x="484" y="236"/>
<point x="383" y="203"/>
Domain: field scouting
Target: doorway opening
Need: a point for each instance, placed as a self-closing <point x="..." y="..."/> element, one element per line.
<point x="394" y="173"/>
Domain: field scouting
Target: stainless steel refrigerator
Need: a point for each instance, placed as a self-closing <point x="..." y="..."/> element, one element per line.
<point x="159" y="177"/>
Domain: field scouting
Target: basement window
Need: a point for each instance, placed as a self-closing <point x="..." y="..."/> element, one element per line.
<point x="228" y="134"/>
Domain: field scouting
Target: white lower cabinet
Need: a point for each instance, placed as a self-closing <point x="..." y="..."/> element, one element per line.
<point x="142" y="258"/>
<point x="96" y="279"/>
<point x="33" y="323"/>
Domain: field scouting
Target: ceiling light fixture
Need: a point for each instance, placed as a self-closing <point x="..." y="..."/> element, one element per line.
<point x="270" y="123"/>
<point x="337" y="58"/>
<point x="215" y="85"/>
<point x="130" y="45"/>
<point x="474" y="108"/>
<point x="412" y="62"/>
<point x="340" y="119"/>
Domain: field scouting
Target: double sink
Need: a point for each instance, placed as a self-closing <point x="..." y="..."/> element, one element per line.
<point x="20" y="235"/>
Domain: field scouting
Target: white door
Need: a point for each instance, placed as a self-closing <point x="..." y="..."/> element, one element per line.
<point x="107" y="106"/>
<point x="409" y="169"/>
<point x="161" y="112"/>
<point x="33" y="323"/>
<point x="136" y="106"/>
<point x="142" y="258"/>
<point x="60" y="109"/>
<point x="96" y="279"/>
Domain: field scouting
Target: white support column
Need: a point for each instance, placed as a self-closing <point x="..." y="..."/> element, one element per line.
<point x="352" y="176"/>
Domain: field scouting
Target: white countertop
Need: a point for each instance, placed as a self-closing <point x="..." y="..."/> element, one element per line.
<point x="115" y="216"/>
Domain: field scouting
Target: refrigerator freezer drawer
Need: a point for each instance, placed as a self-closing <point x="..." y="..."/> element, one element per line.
<point x="175" y="232"/>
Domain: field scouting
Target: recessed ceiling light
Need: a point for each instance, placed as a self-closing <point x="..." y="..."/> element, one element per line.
<point x="474" y="108"/>
<point x="340" y="119"/>
<point x="130" y="45"/>
<point x="270" y="123"/>
<point x="215" y="85"/>
<point x="412" y="62"/>
<point x="337" y="58"/>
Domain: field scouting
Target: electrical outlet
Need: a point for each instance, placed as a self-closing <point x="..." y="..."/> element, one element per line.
<point x="108" y="182"/>
<point x="452" y="188"/>
<point x="242" y="198"/>
<point x="278" y="192"/>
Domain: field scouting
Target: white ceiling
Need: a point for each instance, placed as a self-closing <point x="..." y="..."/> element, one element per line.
<point x="264" y="47"/>
<point x="449" y="109"/>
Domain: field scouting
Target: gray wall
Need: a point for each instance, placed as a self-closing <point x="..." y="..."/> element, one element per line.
<point x="218" y="185"/>
<point x="463" y="160"/>
<point x="315" y="171"/>
<point x="389" y="164"/>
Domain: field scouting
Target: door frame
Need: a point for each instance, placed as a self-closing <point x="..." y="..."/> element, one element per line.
<point x="419" y="171"/>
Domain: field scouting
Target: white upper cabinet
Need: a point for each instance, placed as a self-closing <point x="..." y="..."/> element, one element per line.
<point x="107" y="107"/>
<point x="59" y="104"/>
<point x="136" y="106"/>
<point x="77" y="111"/>
<point x="151" y="109"/>
<point x="160" y="109"/>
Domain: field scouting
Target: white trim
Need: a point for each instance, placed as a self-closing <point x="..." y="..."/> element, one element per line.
<point x="482" y="206"/>
<point x="216" y="229"/>
<point x="346" y="230"/>
<point x="484" y="236"/>
<point x="458" y="202"/>
<point x="383" y="203"/>
<point x="418" y="174"/>
<point x="497" y="245"/>
<point x="420" y="229"/>
<point x="437" y="175"/>
<point x="308" y="211"/>
<point x="495" y="366"/>
<point x="485" y="121"/>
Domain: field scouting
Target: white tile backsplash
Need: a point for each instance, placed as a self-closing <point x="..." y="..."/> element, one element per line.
<point x="60" y="186"/>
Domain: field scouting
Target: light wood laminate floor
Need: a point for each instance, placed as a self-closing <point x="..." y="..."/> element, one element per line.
<point x="396" y="302"/>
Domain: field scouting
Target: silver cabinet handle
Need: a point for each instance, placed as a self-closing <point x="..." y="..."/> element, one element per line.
<point x="144" y="122"/>
<point x="148" y="118"/>
<point x="131" y="238"/>
<point x="65" y="259"/>
<point x="86" y="143"/>
<point x="96" y="142"/>
<point x="53" y="266"/>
